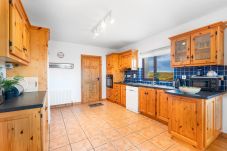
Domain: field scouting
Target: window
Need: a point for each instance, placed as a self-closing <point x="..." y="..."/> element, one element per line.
<point x="158" y="68"/>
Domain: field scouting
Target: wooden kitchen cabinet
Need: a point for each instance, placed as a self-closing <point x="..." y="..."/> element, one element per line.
<point x="180" y="51"/>
<point x="195" y="121"/>
<point x="14" y="30"/>
<point x="112" y="64"/>
<point x="162" y="105"/>
<point x="123" y="95"/>
<point x="147" y="101"/>
<point x="24" y="130"/>
<point x="128" y="59"/>
<point x="117" y="93"/>
<point x="203" y="46"/>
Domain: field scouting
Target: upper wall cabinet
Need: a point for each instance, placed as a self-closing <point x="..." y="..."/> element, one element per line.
<point x="203" y="46"/>
<point x="14" y="33"/>
<point x="128" y="59"/>
<point x="180" y="54"/>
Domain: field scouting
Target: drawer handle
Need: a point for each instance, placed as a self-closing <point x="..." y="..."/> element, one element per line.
<point x="32" y="138"/>
<point x="22" y="132"/>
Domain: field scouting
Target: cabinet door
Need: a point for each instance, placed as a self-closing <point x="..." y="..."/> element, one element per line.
<point x="26" y="43"/>
<point x="143" y="100"/>
<point x="108" y="64"/>
<point x="16" y="25"/>
<point x="162" y="105"/>
<point x="183" y="119"/>
<point x="151" y="99"/>
<point x="108" y="93"/>
<point x="19" y="134"/>
<point x="123" y="95"/>
<point x="134" y="61"/>
<point x="45" y="127"/>
<point x="180" y="51"/>
<point x="203" y="49"/>
<point x="209" y="121"/>
<point x="218" y="115"/>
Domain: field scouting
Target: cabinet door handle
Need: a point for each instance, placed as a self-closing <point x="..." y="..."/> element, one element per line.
<point x="192" y="56"/>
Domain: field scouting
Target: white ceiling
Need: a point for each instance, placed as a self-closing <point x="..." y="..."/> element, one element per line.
<point x="73" y="20"/>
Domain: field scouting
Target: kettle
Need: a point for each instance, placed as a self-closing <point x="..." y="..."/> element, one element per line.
<point x="1" y="96"/>
<point x="212" y="73"/>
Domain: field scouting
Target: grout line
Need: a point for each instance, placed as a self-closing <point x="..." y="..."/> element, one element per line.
<point x="65" y="129"/>
<point x="82" y="128"/>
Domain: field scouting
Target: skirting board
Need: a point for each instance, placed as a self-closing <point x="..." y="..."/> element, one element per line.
<point x="67" y="104"/>
<point x="224" y="135"/>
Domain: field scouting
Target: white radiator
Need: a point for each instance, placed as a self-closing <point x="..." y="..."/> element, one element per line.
<point x="60" y="97"/>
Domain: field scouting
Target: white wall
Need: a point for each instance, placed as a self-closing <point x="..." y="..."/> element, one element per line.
<point x="161" y="40"/>
<point x="64" y="85"/>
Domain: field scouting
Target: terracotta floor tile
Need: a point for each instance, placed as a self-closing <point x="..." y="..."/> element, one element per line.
<point x="111" y="134"/>
<point x="122" y="144"/>
<point x="98" y="140"/>
<point x="136" y="138"/>
<point x="151" y="132"/>
<point x="76" y="137"/>
<point x="163" y="141"/>
<point x="64" y="148"/>
<point x="125" y="131"/>
<point x="99" y="128"/>
<point x="148" y="146"/>
<point x="83" y="145"/>
<point x="181" y="148"/>
<point x="59" y="142"/>
<point x="106" y="147"/>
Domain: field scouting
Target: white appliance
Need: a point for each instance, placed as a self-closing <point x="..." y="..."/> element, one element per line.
<point x="30" y="84"/>
<point x="132" y="99"/>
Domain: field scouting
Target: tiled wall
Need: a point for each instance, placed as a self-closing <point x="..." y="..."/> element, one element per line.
<point x="178" y="72"/>
<point x="189" y="71"/>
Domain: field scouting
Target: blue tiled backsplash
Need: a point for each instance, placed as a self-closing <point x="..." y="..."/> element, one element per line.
<point x="178" y="72"/>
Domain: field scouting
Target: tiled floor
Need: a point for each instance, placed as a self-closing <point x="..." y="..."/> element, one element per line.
<point x="112" y="128"/>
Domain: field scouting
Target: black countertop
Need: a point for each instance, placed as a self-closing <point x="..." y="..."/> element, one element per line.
<point x="28" y="100"/>
<point x="146" y="85"/>
<point x="200" y="95"/>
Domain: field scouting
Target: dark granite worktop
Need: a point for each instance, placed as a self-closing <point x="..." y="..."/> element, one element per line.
<point x="28" y="100"/>
<point x="147" y="85"/>
<point x="200" y="95"/>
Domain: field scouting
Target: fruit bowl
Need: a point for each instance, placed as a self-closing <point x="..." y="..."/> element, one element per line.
<point x="190" y="90"/>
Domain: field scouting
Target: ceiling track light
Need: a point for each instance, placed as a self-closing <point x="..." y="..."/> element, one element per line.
<point x="101" y="26"/>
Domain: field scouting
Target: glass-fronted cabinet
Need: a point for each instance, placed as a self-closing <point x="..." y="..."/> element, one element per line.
<point x="180" y="54"/>
<point x="203" y="47"/>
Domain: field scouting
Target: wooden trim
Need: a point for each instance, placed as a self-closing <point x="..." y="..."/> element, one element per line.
<point x="100" y="74"/>
<point x="224" y="135"/>
<point x="64" y="105"/>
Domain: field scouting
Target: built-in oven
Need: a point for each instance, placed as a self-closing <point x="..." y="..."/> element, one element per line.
<point x="109" y="81"/>
<point x="206" y="83"/>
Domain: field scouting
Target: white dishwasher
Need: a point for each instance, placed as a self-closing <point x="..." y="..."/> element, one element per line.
<point x="132" y="99"/>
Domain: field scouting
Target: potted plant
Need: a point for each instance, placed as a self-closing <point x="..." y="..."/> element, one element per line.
<point x="8" y="85"/>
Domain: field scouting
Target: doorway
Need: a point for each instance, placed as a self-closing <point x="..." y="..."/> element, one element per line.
<point x="91" y="78"/>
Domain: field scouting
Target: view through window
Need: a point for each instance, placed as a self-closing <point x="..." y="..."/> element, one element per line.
<point x="158" y="68"/>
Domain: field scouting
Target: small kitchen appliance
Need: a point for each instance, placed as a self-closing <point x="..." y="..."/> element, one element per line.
<point x="1" y="96"/>
<point x="109" y="81"/>
<point x="206" y="83"/>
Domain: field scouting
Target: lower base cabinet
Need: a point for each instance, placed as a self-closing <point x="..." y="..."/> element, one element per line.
<point x="117" y="94"/>
<point x="195" y="121"/>
<point x="25" y="130"/>
<point x="162" y="105"/>
<point x="123" y="95"/>
<point x="147" y="101"/>
<point x="154" y="103"/>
